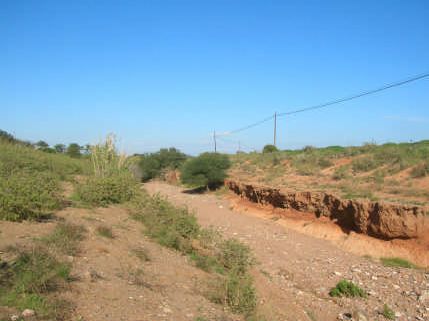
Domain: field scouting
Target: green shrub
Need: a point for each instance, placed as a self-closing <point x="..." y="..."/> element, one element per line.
<point x="5" y="136"/>
<point x="269" y="149"/>
<point x="235" y="256"/>
<point x="364" y="164"/>
<point x="340" y="173"/>
<point x="235" y="291"/>
<point x="208" y="169"/>
<point x="169" y="225"/>
<point x="347" y="289"/>
<point x="28" y="195"/>
<point x="154" y="164"/>
<point x="102" y="191"/>
<point x="324" y="162"/>
<point x="420" y="170"/>
<point x="388" y="313"/>
<point x="31" y="278"/>
<point x="65" y="238"/>
<point x="397" y="262"/>
<point x="73" y="150"/>
<point x="26" y="283"/>
<point x="112" y="182"/>
<point x="105" y="231"/>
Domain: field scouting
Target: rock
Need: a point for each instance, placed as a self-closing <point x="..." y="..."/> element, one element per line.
<point x="359" y="315"/>
<point x="14" y="317"/>
<point x="345" y="317"/>
<point x="398" y="314"/>
<point x="166" y="310"/>
<point x="27" y="313"/>
<point x="337" y="273"/>
<point x="424" y="297"/>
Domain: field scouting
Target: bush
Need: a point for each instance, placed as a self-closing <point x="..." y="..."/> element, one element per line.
<point x="155" y="164"/>
<point x="420" y="170"/>
<point x="348" y="289"/>
<point x="364" y="164"/>
<point x="208" y="169"/>
<point x="269" y="149"/>
<point x="105" y="231"/>
<point x="32" y="275"/>
<point x="235" y="256"/>
<point x="397" y="262"/>
<point x="236" y="291"/>
<point x="6" y="137"/>
<point x="28" y="195"/>
<point x="102" y="191"/>
<point x="65" y="238"/>
<point x="112" y="182"/>
<point x="388" y="313"/>
<point x="340" y="173"/>
<point x="170" y="226"/>
<point x="73" y="150"/>
<point x="31" y="279"/>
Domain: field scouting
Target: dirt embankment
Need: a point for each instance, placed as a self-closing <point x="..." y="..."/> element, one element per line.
<point x="378" y="219"/>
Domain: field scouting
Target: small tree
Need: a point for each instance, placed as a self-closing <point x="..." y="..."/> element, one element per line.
<point x="269" y="149"/>
<point x="60" y="148"/>
<point x="73" y="150"/>
<point x="152" y="165"/>
<point x="41" y="144"/>
<point x="6" y="136"/>
<point x="208" y="169"/>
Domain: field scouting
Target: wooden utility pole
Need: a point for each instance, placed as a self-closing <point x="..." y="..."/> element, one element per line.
<point x="214" y="139"/>
<point x="275" y="128"/>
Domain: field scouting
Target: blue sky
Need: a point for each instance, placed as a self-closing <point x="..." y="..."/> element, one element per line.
<point x="167" y="73"/>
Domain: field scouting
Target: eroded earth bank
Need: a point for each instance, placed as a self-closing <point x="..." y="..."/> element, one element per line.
<point x="296" y="271"/>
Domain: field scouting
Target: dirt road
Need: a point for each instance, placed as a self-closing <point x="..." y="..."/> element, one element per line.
<point x="296" y="271"/>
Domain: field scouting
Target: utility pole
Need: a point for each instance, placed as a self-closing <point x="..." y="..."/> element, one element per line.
<point x="275" y="128"/>
<point x="239" y="146"/>
<point x="214" y="139"/>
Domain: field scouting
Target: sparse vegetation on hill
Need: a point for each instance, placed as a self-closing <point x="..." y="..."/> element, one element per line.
<point x="394" y="172"/>
<point x="30" y="180"/>
<point x="208" y="169"/>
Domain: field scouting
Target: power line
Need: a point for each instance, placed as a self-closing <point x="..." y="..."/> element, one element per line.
<point x="250" y="126"/>
<point x="365" y="93"/>
<point x="236" y="142"/>
<point x="333" y="102"/>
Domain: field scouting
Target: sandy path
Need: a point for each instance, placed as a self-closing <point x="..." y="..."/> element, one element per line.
<point x="296" y="271"/>
<point x="113" y="284"/>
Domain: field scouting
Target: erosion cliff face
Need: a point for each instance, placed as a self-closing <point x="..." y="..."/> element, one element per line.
<point x="381" y="220"/>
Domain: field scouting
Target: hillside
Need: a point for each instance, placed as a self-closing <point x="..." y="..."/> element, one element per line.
<point x="394" y="173"/>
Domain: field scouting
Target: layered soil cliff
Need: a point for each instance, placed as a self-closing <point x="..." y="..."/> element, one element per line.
<point x="378" y="219"/>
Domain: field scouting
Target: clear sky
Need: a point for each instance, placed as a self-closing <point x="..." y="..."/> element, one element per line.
<point x="167" y="73"/>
